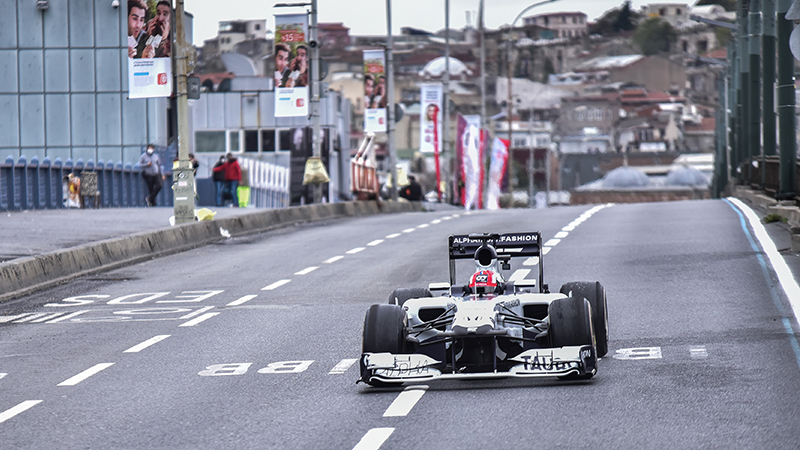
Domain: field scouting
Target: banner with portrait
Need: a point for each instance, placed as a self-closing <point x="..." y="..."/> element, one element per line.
<point x="430" y="127"/>
<point x="469" y="160"/>
<point x="375" y="95"/>
<point x="149" y="40"/>
<point x="497" y="172"/>
<point x="291" y="65"/>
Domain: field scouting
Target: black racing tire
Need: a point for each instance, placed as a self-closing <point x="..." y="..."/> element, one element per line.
<point x="399" y="296"/>
<point x="384" y="330"/>
<point x="571" y="325"/>
<point x="596" y="294"/>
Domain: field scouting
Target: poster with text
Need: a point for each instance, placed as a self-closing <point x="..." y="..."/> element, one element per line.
<point x="375" y="95"/>
<point x="291" y="65"/>
<point x="149" y="40"/>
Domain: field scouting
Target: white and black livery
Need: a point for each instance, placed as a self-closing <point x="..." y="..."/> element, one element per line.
<point x="489" y="327"/>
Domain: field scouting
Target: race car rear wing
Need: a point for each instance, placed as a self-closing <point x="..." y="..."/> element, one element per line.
<point x="507" y="246"/>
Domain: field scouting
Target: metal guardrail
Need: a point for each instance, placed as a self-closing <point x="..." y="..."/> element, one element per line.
<point x="750" y="174"/>
<point x="269" y="183"/>
<point x="40" y="185"/>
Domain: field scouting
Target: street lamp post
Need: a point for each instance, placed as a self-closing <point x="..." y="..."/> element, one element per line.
<point x="510" y="67"/>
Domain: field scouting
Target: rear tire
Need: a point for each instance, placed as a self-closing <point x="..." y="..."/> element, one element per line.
<point x="571" y="325"/>
<point x="399" y="296"/>
<point x="596" y="294"/>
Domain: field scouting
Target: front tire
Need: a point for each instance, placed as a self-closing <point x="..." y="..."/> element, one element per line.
<point x="384" y="330"/>
<point x="571" y="325"/>
<point x="596" y="294"/>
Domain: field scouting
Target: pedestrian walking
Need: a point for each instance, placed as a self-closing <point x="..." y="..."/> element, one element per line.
<point x="219" y="179"/>
<point x="233" y="174"/>
<point x="153" y="177"/>
<point x="413" y="191"/>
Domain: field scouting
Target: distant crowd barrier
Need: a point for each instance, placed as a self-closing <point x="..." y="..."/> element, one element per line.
<point x="43" y="185"/>
<point x="269" y="183"/>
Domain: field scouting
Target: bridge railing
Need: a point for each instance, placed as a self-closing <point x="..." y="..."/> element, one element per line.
<point x="269" y="183"/>
<point x="38" y="184"/>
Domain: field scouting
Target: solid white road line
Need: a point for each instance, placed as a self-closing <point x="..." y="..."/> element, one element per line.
<point x="333" y="260"/>
<point x="374" y="439"/>
<point x="195" y="313"/>
<point x="139" y="347"/>
<point x="242" y="300"/>
<point x="197" y="320"/>
<point x="355" y="250"/>
<point x="24" y="406"/>
<point x="404" y="402"/>
<point x="342" y="366"/>
<point x="274" y="285"/>
<point x="68" y="316"/>
<point x="307" y="270"/>
<point x="375" y="242"/>
<point x="85" y="374"/>
<point x="785" y="277"/>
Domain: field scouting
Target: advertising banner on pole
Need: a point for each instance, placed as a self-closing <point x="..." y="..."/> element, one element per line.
<point x="430" y="135"/>
<point x="375" y="94"/>
<point x="469" y="157"/>
<point x="497" y="171"/>
<point x="291" y="65"/>
<point x="149" y="48"/>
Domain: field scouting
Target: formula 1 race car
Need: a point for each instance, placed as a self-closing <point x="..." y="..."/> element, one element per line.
<point x="488" y="328"/>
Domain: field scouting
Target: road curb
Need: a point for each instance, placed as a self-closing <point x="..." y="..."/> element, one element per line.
<point x="22" y="276"/>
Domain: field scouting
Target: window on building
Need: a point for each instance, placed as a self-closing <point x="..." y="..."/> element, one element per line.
<point x="285" y="140"/>
<point x="251" y="140"/>
<point x="257" y="26"/>
<point x="209" y="141"/>
<point x="678" y="12"/>
<point x="662" y="12"/>
<point x="233" y="141"/>
<point x="267" y="140"/>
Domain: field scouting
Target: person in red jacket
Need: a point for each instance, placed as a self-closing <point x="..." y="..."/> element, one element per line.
<point x="233" y="174"/>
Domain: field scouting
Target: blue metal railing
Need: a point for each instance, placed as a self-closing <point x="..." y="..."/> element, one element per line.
<point x="40" y="185"/>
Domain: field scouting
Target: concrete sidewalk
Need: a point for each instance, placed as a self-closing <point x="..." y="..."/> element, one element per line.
<point x="41" y="248"/>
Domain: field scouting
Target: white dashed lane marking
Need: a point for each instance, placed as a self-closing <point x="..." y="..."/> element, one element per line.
<point x="408" y="230"/>
<point x="197" y="320"/>
<point x="375" y="242"/>
<point x="552" y="242"/>
<point x="153" y="340"/>
<point x="519" y="274"/>
<point x="374" y="439"/>
<point x="196" y="313"/>
<point x="532" y="261"/>
<point x="392" y="236"/>
<point x="342" y="366"/>
<point x="333" y="260"/>
<point x="307" y="270"/>
<point x="355" y="250"/>
<point x="22" y="407"/>
<point x="242" y="300"/>
<point x="404" y="402"/>
<point x="275" y="285"/>
<point x="85" y="374"/>
<point x="561" y="235"/>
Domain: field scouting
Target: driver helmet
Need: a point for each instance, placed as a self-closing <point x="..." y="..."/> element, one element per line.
<point x="485" y="257"/>
<point x="483" y="282"/>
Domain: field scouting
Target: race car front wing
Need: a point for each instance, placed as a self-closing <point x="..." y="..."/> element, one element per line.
<point x="541" y="362"/>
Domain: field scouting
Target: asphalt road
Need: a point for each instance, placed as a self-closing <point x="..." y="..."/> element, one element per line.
<point x="252" y="343"/>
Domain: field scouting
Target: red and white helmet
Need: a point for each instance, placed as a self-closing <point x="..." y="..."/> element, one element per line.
<point x="483" y="282"/>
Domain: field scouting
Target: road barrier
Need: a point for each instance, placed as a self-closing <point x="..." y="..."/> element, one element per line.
<point x="41" y="185"/>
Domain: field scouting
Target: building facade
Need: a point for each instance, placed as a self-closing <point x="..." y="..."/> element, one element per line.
<point x="64" y="85"/>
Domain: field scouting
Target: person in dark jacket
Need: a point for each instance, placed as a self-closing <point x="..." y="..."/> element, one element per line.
<point x="219" y="179"/>
<point x="413" y="191"/>
<point x="233" y="174"/>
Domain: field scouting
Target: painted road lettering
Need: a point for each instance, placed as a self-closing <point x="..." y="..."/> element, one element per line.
<point x="638" y="353"/>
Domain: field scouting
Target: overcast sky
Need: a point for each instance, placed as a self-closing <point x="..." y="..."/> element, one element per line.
<point x="365" y="17"/>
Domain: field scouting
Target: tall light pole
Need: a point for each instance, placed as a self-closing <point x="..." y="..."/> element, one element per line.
<point x="390" y="102"/>
<point x="511" y="38"/>
<point x="313" y="43"/>
<point x="183" y="175"/>
<point x="446" y="97"/>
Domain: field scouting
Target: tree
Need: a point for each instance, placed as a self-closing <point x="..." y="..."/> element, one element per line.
<point x="616" y="20"/>
<point x="625" y="19"/>
<point x="655" y="35"/>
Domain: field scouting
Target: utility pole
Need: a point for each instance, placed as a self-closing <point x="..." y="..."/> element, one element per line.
<point x="183" y="174"/>
<point x="314" y="103"/>
<point x="390" y="102"/>
<point x="446" y="101"/>
<point x="786" y="103"/>
<point x="754" y="47"/>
